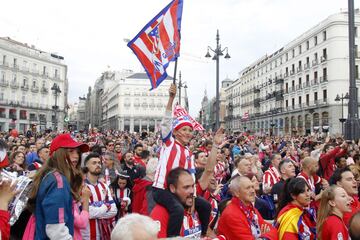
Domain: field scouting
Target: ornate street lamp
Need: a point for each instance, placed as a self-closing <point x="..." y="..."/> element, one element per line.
<point x="217" y="53"/>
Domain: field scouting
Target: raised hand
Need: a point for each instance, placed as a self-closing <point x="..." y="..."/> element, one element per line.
<point x="219" y="136"/>
<point x="172" y="90"/>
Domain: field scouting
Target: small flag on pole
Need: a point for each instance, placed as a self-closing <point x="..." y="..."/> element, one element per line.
<point x="245" y="116"/>
<point x="158" y="42"/>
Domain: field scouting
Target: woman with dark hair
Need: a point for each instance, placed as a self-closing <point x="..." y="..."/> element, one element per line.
<point x="294" y="220"/>
<point x="18" y="164"/>
<point x="55" y="187"/>
<point x="122" y="195"/>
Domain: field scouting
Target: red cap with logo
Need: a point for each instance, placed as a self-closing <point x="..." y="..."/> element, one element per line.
<point x="66" y="141"/>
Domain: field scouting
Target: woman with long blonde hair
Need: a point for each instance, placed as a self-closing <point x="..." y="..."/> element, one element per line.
<point x="334" y="203"/>
<point x="55" y="187"/>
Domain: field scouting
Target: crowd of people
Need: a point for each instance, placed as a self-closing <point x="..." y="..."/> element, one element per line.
<point x="178" y="183"/>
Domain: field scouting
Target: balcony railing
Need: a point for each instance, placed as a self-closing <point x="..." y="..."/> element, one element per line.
<point x="315" y="62"/>
<point x="25" y="87"/>
<point x="323" y="79"/>
<point x="279" y="81"/>
<point x="314" y="82"/>
<point x="323" y="58"/>
<point x="44" y="90"/>
<point x="306" y="84"/>
<point x="306" y="66"/>
<point x="299" y="69"/>
<point x="298" y="87"/>
<point x="2" y="115"/>
<point x="14" y="85"/>
<point x="4" y="83"/>
<point x="6" y="64"/>
<point x="35" y="89"/>
<point x="292" y="72"/>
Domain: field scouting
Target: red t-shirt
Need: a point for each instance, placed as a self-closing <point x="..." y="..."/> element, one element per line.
<point x="191" y="227"/>
<point x="4" y="225"/>
<point x="334" y="228"/>
<point x="355" y="207"/>
<point x="138" y="160"/>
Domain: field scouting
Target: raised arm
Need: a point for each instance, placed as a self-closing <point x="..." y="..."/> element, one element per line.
<point x="211" y="162"/>
<point x="167" y="119"/>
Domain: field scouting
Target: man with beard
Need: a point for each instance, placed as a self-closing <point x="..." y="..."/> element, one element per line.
<point x="102" y="208"/>
<point x="181" y="184"/>
<point x="343" y="177"/>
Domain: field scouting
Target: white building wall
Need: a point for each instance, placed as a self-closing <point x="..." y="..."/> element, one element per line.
<point x="275" y="75"/>
<point x="26" y="77"/>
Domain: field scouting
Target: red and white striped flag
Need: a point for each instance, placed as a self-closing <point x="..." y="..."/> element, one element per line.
<point x="158" y="42"/>
<point x="245" y="116"/>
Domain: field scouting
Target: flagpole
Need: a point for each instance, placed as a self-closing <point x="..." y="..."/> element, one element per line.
<point x="174" y="79"/>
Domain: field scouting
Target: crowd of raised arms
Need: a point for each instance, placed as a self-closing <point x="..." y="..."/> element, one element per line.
<point x="178" y="183"/>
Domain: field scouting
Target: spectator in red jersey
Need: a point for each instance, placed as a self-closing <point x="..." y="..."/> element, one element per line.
<point x="309" y="168"/>
<point x="272" y="175"/>
<point x="175" y="152"/>
<point x="181" y="184"/>
<point x="334" y="203"/>
<point x="343" y="177"/>
<point x="206" y="147"/>
<point x="117" y="150"/>
<point x="327" y="159"/>
<point x="142" y="194"/>
<point x="240" y="220"/>
<point x="137" y="155"/>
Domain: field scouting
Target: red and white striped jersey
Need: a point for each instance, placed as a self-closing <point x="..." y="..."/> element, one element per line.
<point x="220" y="171"/>
<point x="310" y="180"/>
<point x="102" y="206"/>
<point x="172" y="154"/>
<point x="271" y="176"/>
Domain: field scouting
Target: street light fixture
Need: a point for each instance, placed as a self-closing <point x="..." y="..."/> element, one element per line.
<point x="181" y="85"/>
<point x="56" y="89"/>
<point x="217" y="53"/>
<point x="342" y="119"/>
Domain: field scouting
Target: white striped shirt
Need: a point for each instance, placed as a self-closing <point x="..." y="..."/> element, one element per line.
<point x="172" y="154"/>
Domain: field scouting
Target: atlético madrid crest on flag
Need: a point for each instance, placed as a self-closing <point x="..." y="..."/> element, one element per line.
<point x="158" y="43"/>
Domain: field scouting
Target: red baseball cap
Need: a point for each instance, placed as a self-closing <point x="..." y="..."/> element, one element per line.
<point x="66" y="141"/>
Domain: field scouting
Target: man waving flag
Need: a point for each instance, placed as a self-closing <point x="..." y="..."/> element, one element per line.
<point x="158" y="42"/>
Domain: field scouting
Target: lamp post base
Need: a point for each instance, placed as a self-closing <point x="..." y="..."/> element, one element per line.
<point x="352" y="129"/>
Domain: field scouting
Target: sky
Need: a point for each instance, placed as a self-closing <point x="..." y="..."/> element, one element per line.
<point x="90" y="34"/>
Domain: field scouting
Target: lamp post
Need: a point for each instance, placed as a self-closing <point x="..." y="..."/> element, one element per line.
<point x="352" y="130"/>
<point x="56" y="89"/>
<point x="181" y="85"/>
<point x="342" y="119"/>
<point x="217" y="53"/>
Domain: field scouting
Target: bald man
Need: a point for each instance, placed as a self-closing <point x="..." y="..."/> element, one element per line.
<point x="309" y="168"/>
